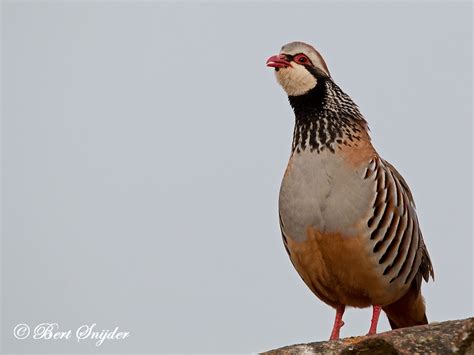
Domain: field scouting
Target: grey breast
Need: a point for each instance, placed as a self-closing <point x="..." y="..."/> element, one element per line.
<point x="323" y="191"/>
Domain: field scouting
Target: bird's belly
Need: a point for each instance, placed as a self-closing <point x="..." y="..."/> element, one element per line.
<point x="324" y="207"/>
<point x="341" y="270"/>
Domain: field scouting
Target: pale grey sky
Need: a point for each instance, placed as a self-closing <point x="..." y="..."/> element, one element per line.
<point x="143" y="147"/>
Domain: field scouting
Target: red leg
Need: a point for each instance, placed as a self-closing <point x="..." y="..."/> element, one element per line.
<point x="375" y="320"/>
<point x="338" y="323"/>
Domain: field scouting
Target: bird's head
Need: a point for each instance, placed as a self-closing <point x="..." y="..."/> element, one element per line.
<point x="298" y="67"/>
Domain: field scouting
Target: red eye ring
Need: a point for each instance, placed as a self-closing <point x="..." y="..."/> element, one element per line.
<point x="301" y="59"/>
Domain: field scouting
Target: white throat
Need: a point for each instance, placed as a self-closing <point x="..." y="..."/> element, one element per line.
<point x="295" y="80"/>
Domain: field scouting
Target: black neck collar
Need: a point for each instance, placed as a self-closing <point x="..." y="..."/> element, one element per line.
<point x="325" y="118"/>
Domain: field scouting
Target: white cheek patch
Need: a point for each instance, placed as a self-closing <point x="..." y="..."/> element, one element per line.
<point x="295" y="80"/>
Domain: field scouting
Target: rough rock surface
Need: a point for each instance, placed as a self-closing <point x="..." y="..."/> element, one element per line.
<point x="451" y="337"/>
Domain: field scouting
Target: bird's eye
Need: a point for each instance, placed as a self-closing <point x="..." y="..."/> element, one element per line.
<point x="302" y="59"/>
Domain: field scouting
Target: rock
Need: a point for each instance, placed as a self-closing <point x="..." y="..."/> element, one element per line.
<point x="451" y="337"/>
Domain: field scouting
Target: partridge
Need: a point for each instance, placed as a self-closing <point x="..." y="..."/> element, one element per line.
<point x="347" y="216"/>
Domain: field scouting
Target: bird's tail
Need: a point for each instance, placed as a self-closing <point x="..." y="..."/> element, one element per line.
<point x="409" y="310"/>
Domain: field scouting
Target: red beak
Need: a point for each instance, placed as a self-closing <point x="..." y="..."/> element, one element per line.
<point x="278" y="61"/>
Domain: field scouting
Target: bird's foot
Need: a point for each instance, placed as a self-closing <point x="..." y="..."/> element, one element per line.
<point x="375" y="319"/>
<point x="338" y="323"/>
<point x="335" y="332"/>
